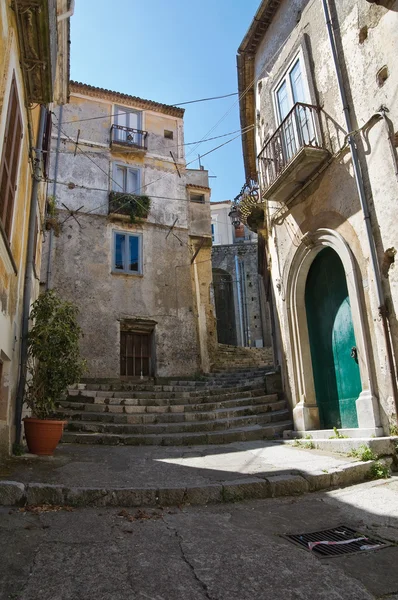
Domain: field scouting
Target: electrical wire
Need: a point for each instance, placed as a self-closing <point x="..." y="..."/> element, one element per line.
<point x="178" y="104"/>
<point x="110" y="178"/>
<point x="244" y="130"/>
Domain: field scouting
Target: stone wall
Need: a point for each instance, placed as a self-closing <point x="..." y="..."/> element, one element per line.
<point x="255" y="328"/>
<point x="366" y="39"/>
<point x="166" y="293"/>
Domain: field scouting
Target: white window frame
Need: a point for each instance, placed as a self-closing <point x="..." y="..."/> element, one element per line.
<point x="127" y="167"/>
<point x="128" y="110"/>
<point x="286" y="77"/>
<point x="127" y="235"/>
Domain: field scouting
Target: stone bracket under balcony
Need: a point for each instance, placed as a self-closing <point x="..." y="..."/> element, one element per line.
<point x="297" y="172"/>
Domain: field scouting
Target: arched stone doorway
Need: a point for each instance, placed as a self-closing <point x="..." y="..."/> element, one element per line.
<point x="306" y="412"/>
<point x="225" y="307"/>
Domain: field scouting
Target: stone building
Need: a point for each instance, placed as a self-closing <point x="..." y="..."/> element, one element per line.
<point x="34" y="51"/>
<point x="239" y="295"/>
<point x="131" y="241"/>
<point x="318" y="80"/>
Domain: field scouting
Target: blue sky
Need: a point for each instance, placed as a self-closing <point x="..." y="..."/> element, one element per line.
<point x="170" y="51"/>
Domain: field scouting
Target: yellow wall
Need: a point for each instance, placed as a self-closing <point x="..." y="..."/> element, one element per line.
<point x="11" y="283"/>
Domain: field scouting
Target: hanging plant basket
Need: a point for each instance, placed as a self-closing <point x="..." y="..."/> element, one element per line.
<point x="135" y="206"/>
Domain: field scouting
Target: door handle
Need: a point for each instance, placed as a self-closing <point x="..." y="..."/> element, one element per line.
<point x="354" y="353"/>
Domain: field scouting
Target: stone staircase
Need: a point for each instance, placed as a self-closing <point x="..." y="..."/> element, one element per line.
<point x="222" y="407"/>
<point x="236" y="357"/>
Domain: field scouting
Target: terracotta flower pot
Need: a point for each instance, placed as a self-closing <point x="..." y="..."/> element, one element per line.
<point x="43" y="435"/>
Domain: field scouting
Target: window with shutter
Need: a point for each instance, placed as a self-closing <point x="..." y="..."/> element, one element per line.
<point x="10" y="159"/>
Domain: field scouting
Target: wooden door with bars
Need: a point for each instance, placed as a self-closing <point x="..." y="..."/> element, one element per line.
<point x="135" y="354"/>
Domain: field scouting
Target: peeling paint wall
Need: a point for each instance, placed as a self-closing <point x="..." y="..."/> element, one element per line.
<point x="166" y="291"/>
<point x="367" y="40"/>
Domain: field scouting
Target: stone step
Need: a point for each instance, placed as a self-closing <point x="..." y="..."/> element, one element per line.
<point x="169" y="400"/>
<point x="252" y="432"/>
<point x="184" y="427"/>
<point x="144" y="417"/>
<point x="168" y="408"/>
<point x="225" y="379"/>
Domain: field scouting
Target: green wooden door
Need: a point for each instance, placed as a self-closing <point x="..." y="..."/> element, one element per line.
<point x="336" y="374"/>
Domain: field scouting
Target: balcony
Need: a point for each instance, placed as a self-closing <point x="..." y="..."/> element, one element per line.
<point x="127" y="138"/>
<point x="293" y="153"/>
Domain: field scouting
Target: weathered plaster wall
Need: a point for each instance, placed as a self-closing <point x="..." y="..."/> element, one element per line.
<point x="82" y="272"/>
<point x="332" y="200"/>
<point x="168" y="291"/>
<point x="11" y="282"/>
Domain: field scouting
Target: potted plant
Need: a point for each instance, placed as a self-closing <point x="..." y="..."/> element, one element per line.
<point x="54" y="363"/>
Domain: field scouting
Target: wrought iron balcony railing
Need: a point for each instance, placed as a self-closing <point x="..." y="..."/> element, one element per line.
<point x="299" y="129"/>
<point x="126" y="136"/>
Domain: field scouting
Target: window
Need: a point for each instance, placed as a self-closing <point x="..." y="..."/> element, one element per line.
<point x="10" y="159"/>
<point x="135" y="354"/>
<point x="47" y="144"/>
<point x="298" y="129"/>
<point x="126" y="179"/>
<point x="127" y="253"/>
<point x="213" y="232"/>
<point x="197" y="198"/>
<point x="128" y="120"/>
<point x="168" y="134"/>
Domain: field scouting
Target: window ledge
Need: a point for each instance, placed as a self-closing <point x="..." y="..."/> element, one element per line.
<point x="6" y="254"/>
<point x="126" y="274"/>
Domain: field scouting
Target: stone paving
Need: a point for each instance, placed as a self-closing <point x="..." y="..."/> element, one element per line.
<point x="223" y="552"/>
<point x="140" y="476"/>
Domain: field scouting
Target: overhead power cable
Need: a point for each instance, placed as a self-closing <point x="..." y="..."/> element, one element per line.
<point x="206" y="99"/>
<point x="138" y="190"/>
<point x="179" y="104"/>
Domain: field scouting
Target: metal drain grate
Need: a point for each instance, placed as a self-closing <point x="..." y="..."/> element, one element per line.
<point x="335" y="542"/>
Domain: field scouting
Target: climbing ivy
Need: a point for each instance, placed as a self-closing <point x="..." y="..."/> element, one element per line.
<point x="54" y="360"/>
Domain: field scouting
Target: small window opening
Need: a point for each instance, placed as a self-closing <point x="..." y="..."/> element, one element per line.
<point x="382" y="76"/>
<point x="169" y="135"/>
<point x="197" y="198"/>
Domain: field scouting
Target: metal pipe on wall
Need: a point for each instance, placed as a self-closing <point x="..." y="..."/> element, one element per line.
<point x="27" y="292"/>
<point x="51" y="235"/>
<point x="239" y="294"/>
<point x="364" y="204"/>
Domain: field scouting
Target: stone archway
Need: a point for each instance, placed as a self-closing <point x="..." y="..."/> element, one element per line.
<point x="305" y="411"/>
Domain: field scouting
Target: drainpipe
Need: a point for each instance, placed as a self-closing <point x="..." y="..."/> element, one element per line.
<point x="239" y="294"/>
<point x="27" y="291"/>
<point x="383" y="110"/>
<point x="245" y="311"/>
<point x="51" y="235"/>
<point x="364" y="205"/>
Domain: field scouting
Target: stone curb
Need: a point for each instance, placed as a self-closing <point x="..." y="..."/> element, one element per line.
<point x="13" y="493"/>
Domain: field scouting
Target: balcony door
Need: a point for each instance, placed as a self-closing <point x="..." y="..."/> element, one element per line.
<point x="297" y="127"/>
<point x="129" y="124"/>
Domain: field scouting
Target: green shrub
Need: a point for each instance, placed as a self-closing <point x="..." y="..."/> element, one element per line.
<point x="136" y="206"/>
<point x="379" y="471"/>
<point x="54" y="360"/>
<point x="363" y="453"/>
<point x="337" y="435"/>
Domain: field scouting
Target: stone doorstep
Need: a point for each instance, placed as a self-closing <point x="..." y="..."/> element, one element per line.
<point x="381" y="446"/>
<point x="13" y="493"/>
